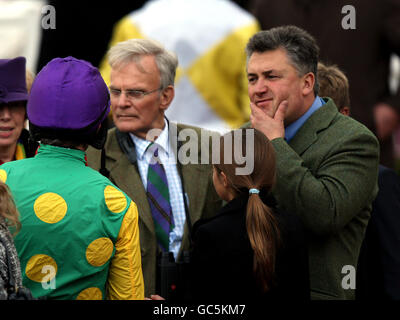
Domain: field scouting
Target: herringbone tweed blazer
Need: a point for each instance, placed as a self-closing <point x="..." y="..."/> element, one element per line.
<point x="327" y="174"/>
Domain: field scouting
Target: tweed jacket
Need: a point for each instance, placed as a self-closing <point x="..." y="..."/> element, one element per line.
<point x="327" y="174"/>
<point x="203" y="200"/>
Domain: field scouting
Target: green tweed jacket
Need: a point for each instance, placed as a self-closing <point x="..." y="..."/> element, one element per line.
<point x="327" y="174"/>
<point x="197" y="182"/>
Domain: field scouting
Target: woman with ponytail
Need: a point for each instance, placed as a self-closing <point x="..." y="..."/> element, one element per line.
<point x="250" y="250"/>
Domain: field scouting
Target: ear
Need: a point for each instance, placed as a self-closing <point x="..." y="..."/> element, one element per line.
<point x="166" y="97"/>
<point x="308" y="82"/>
<point x="345" y="111"/>
<point x="224" y="179"/>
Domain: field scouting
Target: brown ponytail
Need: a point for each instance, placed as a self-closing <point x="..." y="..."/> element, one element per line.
<point x="263" y="232"/>
<point x="261" y="224"/>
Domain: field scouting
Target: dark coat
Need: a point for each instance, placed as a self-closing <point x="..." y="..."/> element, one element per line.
<point x="222" y="259"/>
<point x="378" y="274"/>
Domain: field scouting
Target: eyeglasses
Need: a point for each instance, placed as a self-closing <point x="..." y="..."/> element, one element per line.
<point x="131" y="94"/>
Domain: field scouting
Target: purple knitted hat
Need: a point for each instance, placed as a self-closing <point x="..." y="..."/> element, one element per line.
<point x="12" y="80"/>
<point x="68" y="94"/>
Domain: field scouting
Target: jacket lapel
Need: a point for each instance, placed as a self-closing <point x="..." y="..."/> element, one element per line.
<point x="318" y="121"/>
<point x="126" y="177"/>
<point x="194" y="178"/>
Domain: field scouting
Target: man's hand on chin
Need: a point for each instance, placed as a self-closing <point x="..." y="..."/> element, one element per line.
<point x="272" y="127"/>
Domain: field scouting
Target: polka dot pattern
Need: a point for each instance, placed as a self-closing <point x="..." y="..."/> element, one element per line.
<point x="99" y="251"/>
<point x="115" y="199"/>
<point x="3" y="175"/>
<point x="37" y="268"/>
<point x="71" y="221"/>
<point x="92" y="293"/>
<point x="50" y="207"/>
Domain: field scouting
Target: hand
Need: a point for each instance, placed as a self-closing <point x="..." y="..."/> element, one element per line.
<point x="154" y="297"/>
<point x="272" y="127"/>
<point x="386" y="120"/>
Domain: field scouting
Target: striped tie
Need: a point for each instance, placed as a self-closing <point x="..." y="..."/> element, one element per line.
<point x="158" y="196"/>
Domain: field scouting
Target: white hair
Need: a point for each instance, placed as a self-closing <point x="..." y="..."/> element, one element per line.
<point x="133" y="49"/>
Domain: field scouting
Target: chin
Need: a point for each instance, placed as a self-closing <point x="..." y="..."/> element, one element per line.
<point x="134" y="129"/>
<point x="126" y="129"/>
<point x="125" y="126"/>
<point x="269" y="112"/>
<point x="4" y="143"/>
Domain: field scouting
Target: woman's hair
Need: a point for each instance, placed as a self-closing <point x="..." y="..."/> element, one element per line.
<point x="8" y="210"/>
<point x="261" y="224"/>
<point x="133" y="49"/>
<point x="29" y="77"/>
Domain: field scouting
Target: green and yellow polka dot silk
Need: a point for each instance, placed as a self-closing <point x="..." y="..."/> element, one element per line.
<point x="71" y="217"/>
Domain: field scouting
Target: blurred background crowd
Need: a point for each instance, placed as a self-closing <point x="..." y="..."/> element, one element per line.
<point x="210" y="48"/>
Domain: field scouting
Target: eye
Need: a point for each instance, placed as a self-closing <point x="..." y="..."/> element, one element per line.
<point x="251" y="79"/>
<point x="115" y="92"/>
<point x="134" y="93"/>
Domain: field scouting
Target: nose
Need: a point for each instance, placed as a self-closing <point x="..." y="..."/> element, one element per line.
<point x="122" y="101"/>
<point x="5" y="113"/>
<point x="260" y="87"/>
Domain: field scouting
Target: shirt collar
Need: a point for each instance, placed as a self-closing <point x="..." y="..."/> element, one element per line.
<point x="291" y="130"/>
<point x="46" y="150"/>
<point x="141" y="145"/>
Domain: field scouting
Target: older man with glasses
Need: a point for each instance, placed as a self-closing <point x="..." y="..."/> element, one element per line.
<point x="170" y="195"/>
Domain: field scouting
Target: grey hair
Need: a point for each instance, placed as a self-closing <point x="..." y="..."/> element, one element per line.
<point x="301" y="48"/>
<point x="133" y="49"/>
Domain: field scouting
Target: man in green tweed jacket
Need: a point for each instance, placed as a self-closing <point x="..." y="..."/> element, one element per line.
<point x="327" y="163"/>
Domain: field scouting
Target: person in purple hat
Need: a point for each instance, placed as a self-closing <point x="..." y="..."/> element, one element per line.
<point x="14" y="139"/>
<point x="80" y="237"/>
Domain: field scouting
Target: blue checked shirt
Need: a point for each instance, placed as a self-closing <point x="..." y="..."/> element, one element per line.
<point x="165" y="153"/>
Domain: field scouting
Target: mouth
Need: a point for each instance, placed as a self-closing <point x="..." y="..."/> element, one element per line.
<point x="6" y="129"/>
<point x="263" y="102"/>
<point x="125" y="116"/>
<point x="6" y="132"/>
